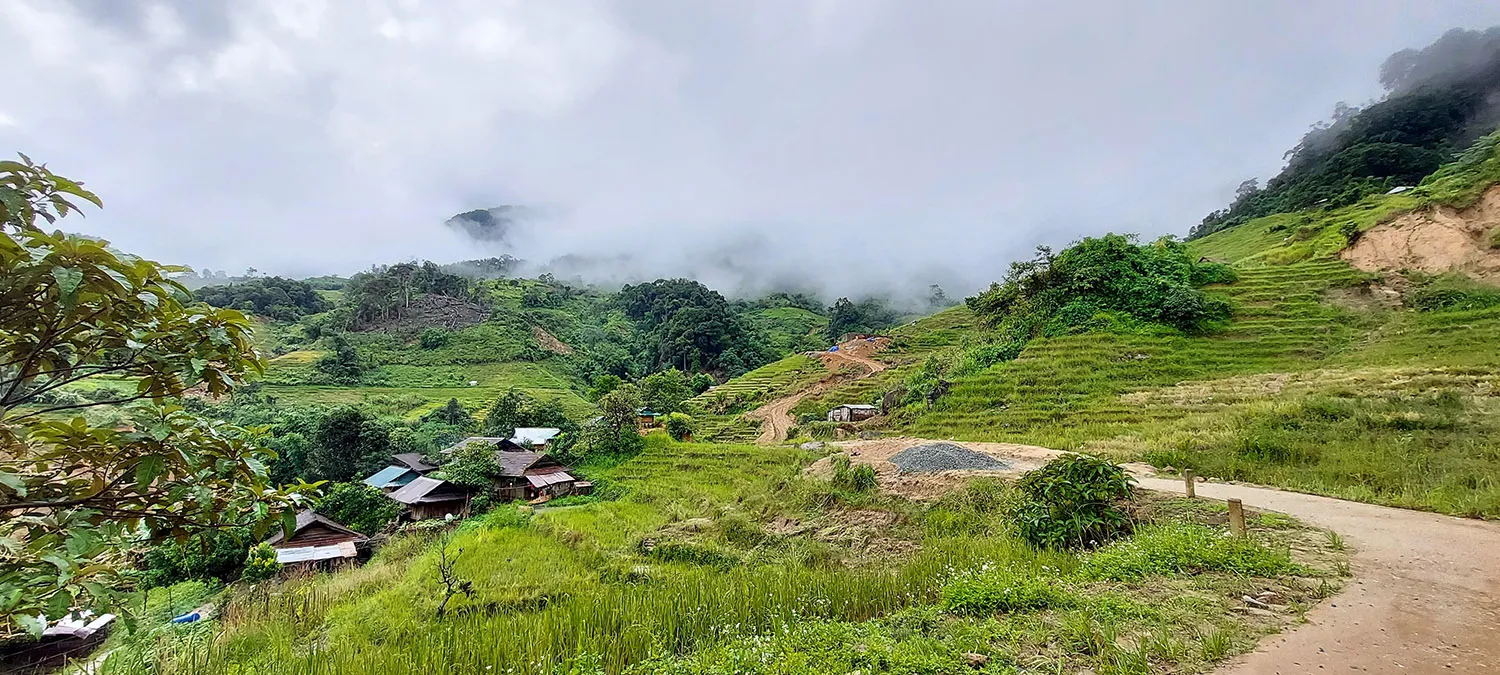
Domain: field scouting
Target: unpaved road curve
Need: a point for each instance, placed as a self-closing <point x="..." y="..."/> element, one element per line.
<point x="1424" y="598"/>
<point x="776" y="417"/>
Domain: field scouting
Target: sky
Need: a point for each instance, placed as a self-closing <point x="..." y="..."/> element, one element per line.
<point x="842" y="146"/>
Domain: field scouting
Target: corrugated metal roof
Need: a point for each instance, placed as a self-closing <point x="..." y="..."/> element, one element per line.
<point x="391" y="476"/>
<point x="534" y="435"/>
<point x="545" y="479"/>
<point x="314" y="553"/>
<point x="414" y="461"/>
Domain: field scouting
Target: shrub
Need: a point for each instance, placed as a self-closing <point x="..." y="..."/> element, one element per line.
<point x="261" y="564"/>
<point x="1183" y="548"/>
<point x="995" y="591"/>
<point x="1073" y="501"/>
<point x="679" y="426"/>
<point x="208" y="555"/>
<point x="359" y="506"/>
<point x="433" y="338"/>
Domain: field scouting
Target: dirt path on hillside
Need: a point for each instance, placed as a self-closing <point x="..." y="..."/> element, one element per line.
<point x="1425" y="592"/>
<point x="776" y="417"/>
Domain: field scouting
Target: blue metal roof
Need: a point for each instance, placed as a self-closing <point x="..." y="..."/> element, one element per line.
<point x="392" y="476"/>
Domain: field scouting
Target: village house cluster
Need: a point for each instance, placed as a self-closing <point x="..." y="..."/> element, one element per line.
<point x="526" y="472"/>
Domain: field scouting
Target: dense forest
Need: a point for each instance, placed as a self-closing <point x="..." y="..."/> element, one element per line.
<point x="1439" y="99"/>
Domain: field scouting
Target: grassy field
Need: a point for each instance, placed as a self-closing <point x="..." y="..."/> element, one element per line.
<point x="722" y="559"/>
<point x="415" y="390"/>
<point x="1298" y="391"/>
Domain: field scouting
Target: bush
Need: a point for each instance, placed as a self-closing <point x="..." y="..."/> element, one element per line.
<point x="433" y="338"/>
<point x="359" y="506"/>
<point x="261" y="564"/>
<point x="995" y="591"/>
<point x="1183" y="548"/>
<point x="208" y="555"/>
<point x="679" y="426"/>
<point x="1073" y="502"/>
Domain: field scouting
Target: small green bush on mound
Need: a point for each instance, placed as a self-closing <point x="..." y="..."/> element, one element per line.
<point x="1073" y="502"/>
<point x="860" y="479"/>
<point x="1183" y="548"/>
<point x="995" y="591"/>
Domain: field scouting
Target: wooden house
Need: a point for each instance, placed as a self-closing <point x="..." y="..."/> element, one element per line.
<point x="316" y="539"/>
<point x="533" y="475"/>
<point x="852" y="412"/>
<point x="426" y="498"/>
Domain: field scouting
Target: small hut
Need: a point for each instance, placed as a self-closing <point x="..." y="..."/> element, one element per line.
<point x="315" y="539"/>
<point x="852" y="412"/>
<point x="646" y="419"/>
<point x="536" y="438"/>
<point x="426" y="498"/>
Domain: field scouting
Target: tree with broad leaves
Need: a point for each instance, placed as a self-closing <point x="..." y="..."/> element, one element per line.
<point x="73" y="496"/>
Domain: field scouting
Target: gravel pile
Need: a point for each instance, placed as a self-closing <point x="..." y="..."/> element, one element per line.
<point x="944" y="457"/>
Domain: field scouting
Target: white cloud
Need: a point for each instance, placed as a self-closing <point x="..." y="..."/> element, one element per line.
<point x="852" y="141"/>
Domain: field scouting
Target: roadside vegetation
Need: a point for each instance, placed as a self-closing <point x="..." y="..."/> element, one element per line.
<point x="721" y="558"/>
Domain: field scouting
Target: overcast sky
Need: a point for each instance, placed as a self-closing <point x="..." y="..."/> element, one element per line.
<point x="859" y="144"/>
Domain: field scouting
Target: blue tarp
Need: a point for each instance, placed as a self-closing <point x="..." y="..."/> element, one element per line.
<point x="187" y="618"/>
<point x="833" y="348"/>
<point x="391" y="476"/>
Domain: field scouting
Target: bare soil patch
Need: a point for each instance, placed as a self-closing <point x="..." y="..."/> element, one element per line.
<point x="1434" y="240"/>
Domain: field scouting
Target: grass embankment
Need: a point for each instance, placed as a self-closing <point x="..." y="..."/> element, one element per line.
<point x="1385" y="406"/>
<point x="723" y="559"/>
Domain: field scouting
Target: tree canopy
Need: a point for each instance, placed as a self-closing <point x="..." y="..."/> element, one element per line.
<point x="72" y="493"/>
<point x="271" y="297"/>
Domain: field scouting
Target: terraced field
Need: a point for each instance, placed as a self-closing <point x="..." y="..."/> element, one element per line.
<point x="1063" y="390"/>
<point x="419" y="389"/>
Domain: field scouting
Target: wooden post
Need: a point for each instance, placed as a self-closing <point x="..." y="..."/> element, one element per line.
<point x="1187" y="481"/>
<point x="1236" y="518"/>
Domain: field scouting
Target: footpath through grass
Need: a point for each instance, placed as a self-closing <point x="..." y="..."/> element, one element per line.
<point x="723" y="559"/>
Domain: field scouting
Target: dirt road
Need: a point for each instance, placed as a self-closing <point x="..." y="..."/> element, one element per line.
<point x="776" y="417"/>
<point x="1425" y="593"/>
<point x="1425" y="597"/>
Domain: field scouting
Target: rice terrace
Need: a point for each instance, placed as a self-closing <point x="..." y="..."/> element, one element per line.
<point x="622" y="424"/>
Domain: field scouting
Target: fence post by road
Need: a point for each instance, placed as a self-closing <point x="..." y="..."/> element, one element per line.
<point x="1187" y="481"/>
<point x="1236" y="518"/>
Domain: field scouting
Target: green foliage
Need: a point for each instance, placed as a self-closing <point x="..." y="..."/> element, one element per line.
<point x="214" y="554"/>
<point x="1453" y="293"/>
<point x="870" y="315"/>
<point x="343" y="363"/>
<point x="516" y="408"/>
<point x="472" y="465"/>
<point x="359" y="506"/>
<point x="603" y="385"/>
<point x="679" y="426"/>
<point x="71" y="309"/>
<point x="994" y="591"/>
<point x="1184" y="549"/>
<point x="260" y="564"/>
<point x="351" y="444"/>
<point x="383" y="293"/>
<point x="1073" y="502"/>
<point x="1395" y="142"/>
<point x="451" y="414"/>
<point x="270" y="297"/>
<point x="433" y="338"/>
<point x="700" y="383"/>
<point x="1152" y="282"/>
<point x="664" y="391"/>
<point x="693" y="327"/>
<point x="614" y="432"/>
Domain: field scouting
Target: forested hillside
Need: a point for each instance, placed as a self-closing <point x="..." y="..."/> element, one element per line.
<point x="1439" y="99"/>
